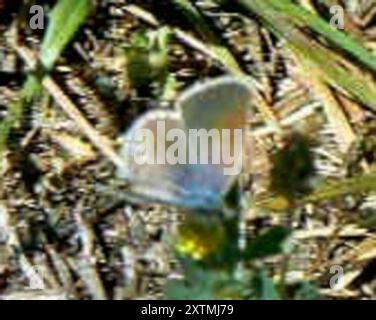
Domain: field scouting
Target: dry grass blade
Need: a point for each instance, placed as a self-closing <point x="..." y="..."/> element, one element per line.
<point x="286" y="24"/>
<point x="28" y="269"/>
<point x="333" y="109"/>
<point x="99" y="141"/>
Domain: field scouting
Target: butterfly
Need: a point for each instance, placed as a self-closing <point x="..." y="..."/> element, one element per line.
<point x="220" y="104"/>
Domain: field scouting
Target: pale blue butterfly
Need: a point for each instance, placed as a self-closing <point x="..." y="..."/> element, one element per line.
<point x="221" y="103"/>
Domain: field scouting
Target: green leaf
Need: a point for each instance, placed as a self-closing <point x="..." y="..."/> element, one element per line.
<point x="198" y="284"/>
<point x="207" y="284"/>
<point x="148" y="57"/>
<point x="307" y="291"/>
<point x="293" y="168"/>
<point x="369" y="220"/>
<point x="170" y="88"/>
<point x="65" y="20"/>
<point x="350" y="186"/>
<point x="263" y="287"/>
<point x="12" y="121"/>
<point x="270" y="243"/>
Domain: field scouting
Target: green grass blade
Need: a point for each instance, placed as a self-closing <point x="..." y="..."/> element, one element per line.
<point x="303" y="18"/>
<point x="283" y="21"/>
<point x="65" y="19"/>
<point x="204" y="30"/>
<point x="351" y="186"/>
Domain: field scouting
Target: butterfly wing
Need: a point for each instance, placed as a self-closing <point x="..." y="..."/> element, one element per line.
<point x="222" y="104"/>
<point x="176" y="184"/>
<point x="218" y="104"/>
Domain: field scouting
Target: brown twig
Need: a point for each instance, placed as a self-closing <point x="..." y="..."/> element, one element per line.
<point x="66" y="104"/>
